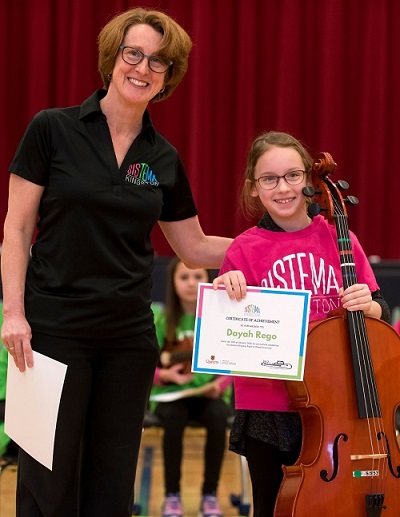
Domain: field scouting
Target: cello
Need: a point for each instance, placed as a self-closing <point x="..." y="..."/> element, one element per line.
<point x="180" y="351"/>
<point x="349" y="461"/>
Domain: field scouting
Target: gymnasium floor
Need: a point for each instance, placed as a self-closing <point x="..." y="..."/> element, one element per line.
<point x="149" y="485"/>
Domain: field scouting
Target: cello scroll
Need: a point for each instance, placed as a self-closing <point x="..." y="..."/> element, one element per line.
<point x="327" y="195"/>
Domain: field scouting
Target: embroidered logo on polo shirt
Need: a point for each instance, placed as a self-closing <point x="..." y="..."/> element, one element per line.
<point x="141" y="174"/>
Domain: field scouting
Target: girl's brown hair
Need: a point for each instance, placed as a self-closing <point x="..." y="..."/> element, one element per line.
<point x="175" y="45"/>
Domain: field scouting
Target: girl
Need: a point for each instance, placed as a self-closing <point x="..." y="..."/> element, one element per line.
<point x="175" y="326"/>
<point x="271" y="254"/>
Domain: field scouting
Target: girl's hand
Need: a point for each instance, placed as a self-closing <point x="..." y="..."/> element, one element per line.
<point x="357" y="297"/>
<point x="174" y="374"/>
<point x="214" y="390"/>
<point x="235" y="284"/>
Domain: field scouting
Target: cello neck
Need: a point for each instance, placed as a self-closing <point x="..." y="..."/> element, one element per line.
<point x="330" y="198"/>
<point x="347" y="264"/>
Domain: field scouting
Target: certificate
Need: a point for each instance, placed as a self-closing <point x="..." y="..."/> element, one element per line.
<point x="263" y="335"/>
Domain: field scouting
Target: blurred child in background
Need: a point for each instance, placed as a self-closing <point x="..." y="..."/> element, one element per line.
<point x="175" y="328"/>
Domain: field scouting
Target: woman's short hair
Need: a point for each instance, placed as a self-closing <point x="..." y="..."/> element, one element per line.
<point x="175" y="45"/>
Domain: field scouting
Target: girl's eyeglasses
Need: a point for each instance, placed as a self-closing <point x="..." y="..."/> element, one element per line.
<point x="268" y="182"/>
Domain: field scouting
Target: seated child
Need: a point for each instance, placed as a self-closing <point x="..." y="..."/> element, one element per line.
<point x="175" y="326"/>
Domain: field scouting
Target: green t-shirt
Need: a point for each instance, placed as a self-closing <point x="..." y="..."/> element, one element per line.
<point x="184" y="329"/>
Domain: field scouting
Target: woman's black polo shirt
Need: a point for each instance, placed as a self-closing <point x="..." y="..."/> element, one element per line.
<point x="90" y="272"/>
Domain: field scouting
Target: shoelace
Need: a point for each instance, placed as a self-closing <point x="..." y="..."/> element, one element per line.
<point x="173" y="504"/>
<point x="210" y="504"/>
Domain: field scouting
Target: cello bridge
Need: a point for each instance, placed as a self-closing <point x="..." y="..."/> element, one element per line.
<point x="368" y="456"/>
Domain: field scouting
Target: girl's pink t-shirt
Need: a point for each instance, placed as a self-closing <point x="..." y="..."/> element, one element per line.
<point x="306" y="259"/>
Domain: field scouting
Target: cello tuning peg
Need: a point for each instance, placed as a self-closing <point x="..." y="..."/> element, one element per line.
<point x="313" y="209"/>
<point x="342" y="185"/>
<point x="310" y="191"/>
<point x="351" y="200"/>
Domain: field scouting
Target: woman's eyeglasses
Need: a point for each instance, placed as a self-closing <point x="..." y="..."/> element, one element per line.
<point x="134" y="56"/>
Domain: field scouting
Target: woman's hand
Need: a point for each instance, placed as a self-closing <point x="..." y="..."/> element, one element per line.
<point x="16" y="336"/>
<point x="235" y="284"/>
<point x="358" y="297"/>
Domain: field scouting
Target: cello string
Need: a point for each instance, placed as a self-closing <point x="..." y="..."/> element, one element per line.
<point x="358" y="320"/>
<point x="368" y="380"/>
<point x="378" y="464"/>
<point x="349" y="278"/>
<point x="361" y="347"/>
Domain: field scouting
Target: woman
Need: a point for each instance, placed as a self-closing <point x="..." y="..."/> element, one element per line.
<point x="99" y="177"/>
<point x="287" y="249"/>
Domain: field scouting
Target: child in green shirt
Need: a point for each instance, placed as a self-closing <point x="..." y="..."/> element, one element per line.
<point x="174" y="327"/>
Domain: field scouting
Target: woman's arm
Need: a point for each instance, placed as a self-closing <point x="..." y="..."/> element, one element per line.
<point x="23" y="204"/>
<point x="192" y="246"/>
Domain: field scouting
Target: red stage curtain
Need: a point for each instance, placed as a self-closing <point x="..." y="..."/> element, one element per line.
<point x="325" y="70"/>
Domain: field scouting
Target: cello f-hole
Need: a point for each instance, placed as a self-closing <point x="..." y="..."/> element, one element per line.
<point x="335" y="456"/>
<point x="383" y="435"/>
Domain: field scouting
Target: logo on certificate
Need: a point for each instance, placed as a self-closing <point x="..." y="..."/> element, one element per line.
<point x="212" y="360"/>
<point x="252" y="309"/>
<point x="276" y="364"/>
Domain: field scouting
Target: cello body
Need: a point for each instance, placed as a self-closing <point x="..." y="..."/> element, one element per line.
<point x="336" y="475"/>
